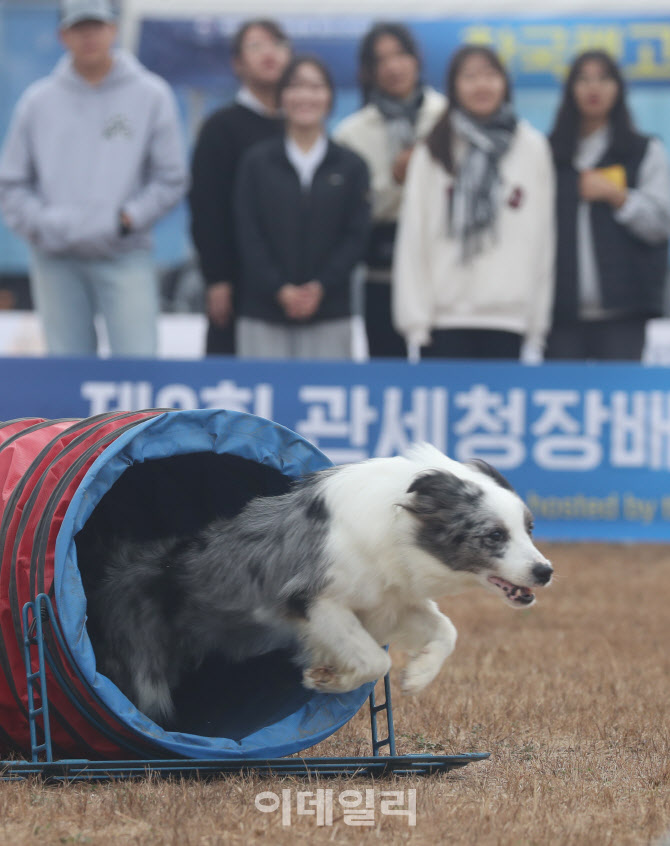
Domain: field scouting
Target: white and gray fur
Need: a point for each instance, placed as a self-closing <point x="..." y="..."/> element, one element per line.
<point x="351" y="559"/>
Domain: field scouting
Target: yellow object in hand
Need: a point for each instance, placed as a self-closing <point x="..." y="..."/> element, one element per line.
<point x="615" y="174"/>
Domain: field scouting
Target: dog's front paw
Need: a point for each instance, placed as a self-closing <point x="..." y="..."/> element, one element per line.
<point x="420" y="672"/>
<point x="344" y="679"/>
<point x="319" y="678"/>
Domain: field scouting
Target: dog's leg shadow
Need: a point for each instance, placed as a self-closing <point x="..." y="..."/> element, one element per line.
<point x="341" y="654"/>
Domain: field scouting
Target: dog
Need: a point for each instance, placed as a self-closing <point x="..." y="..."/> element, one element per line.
<point x="351" y="559"/>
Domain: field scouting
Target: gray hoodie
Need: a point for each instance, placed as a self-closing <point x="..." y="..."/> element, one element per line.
<point x="77" y="154"/>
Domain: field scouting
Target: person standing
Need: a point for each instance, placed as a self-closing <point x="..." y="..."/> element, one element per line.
<point x="613" y="210"/>
<point x="260" y="52"/>
<point x="398" y="109"/>
<point x="93" y="158"/>
<point x="473" y="265"/>
<point x="302" y="212"/>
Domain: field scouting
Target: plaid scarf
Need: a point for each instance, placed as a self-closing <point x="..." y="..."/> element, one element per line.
<point x="399" y="117"/>
<point x="475" y="194"/>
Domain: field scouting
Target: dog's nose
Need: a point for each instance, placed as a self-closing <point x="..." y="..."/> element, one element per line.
<point x="542" y="573"/>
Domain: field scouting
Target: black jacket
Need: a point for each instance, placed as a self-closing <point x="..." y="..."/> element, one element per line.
<point x="225" y="137"/>
<point x="287" y="235"/>
<point x="631" y="271"/>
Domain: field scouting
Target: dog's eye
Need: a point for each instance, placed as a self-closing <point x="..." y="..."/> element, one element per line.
<point x="530" y="527"/>
<point x="496" y="536"/>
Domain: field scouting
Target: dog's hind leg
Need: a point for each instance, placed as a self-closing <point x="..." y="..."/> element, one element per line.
<point x="141" y="670"/>
<point x="429" y="636"/>
<point x="136" y="650"/>
<point x="153" y="696"/>
<point x="342" y="655"/>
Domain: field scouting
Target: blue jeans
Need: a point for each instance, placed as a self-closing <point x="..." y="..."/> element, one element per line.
<point x="68" y="292"/>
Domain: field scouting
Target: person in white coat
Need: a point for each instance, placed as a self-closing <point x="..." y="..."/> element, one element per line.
<point x="398" y="110"/>
<point x="474" y="256"/>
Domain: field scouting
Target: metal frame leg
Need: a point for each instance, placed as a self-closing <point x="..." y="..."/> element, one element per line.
<point x="389" y="740"/>
<point x="33" y="635"/>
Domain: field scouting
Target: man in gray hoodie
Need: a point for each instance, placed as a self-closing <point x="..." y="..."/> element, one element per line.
<point x="94" y="156"/>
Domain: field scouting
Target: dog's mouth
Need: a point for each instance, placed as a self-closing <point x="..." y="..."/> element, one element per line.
<point x="516" y="594"/>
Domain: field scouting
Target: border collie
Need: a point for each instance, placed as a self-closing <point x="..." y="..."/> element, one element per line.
<point x="349" y="560"/>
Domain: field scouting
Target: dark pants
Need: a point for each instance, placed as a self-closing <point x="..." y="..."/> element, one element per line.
<point x="220" y="339"/>
<point x="383" y="340"/>
<point x="619" y="339"/>
<point x="473" y="343"/>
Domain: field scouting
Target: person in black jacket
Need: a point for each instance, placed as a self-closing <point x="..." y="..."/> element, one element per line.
<point x="303" y="219"/>
<point x="260" y="53"/>
<point x="613" y="216"/>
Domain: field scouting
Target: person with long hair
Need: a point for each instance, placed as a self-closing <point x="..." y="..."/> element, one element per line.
<point x="398" y="109"/>
<point x="473" y="265"/>
<point x="613" y="211"/>
<point x="302" y="214"/>
<point x="260" y="51"/>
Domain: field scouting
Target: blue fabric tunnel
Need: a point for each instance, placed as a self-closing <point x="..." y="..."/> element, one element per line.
<point x="170" y="474"/>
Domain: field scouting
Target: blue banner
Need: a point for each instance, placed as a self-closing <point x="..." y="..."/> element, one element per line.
<point x="537" y="50"/>
<point x="587" y="446"/>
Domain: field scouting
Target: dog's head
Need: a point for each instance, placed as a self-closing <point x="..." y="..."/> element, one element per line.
<point x="470" y="520"/>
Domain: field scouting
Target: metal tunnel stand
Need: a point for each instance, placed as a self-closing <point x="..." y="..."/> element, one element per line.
<point x="39" y="613"/>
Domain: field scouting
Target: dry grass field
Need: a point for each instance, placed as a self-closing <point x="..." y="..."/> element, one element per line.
<point x="571" y="698"/>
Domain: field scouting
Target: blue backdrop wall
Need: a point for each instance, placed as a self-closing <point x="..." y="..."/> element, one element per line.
<point x="192" y="54"/>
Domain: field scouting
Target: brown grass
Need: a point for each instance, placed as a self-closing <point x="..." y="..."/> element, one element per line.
<point x="572" y="699"/>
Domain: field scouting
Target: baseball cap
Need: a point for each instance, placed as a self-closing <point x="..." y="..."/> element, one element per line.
<point x="75" y="11"/>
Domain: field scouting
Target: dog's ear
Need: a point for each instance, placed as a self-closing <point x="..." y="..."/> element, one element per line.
<point x="496" y="475"/>
<point x="436" y="491"/>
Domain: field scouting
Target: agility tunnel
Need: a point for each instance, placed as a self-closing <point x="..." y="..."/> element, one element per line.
<point x="141" y="475"/>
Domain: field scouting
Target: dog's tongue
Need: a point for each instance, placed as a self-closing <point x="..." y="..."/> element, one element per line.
<point x="516" y="593"/>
